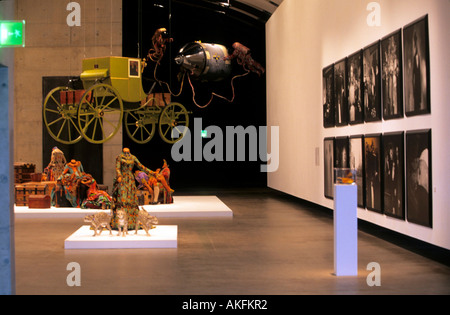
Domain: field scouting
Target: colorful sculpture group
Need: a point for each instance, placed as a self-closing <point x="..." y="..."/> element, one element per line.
<point x="76" y="188"/>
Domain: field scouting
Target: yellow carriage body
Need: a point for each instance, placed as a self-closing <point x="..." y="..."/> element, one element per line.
<point x="122" y="73"/>
<point x="112" y="91"/>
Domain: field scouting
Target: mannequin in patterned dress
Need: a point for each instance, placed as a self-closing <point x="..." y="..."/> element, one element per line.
<point x="56" y="166"/>
<point x="124" y="191"/>
<point x="70" y="182"/>
<point x="151" y="183"/>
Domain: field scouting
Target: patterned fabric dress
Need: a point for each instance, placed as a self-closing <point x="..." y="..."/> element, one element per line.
<point x="96" y="199"/>
<point x="70" y="181"/>
<point x="124" y="192"/>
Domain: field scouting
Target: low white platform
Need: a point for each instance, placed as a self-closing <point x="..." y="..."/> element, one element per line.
<point x="162" y="236"/>
<point x="25" y="212"/>
<point x="191" y="206"/>
<point x="183" y="207"/>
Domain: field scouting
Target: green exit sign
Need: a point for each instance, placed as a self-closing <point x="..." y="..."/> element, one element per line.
<point x="12" y="33"/>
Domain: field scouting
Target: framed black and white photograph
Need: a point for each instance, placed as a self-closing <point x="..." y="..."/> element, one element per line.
<point x="341" y="152"/>
<point x="372" y="82"/>
<point x="391" y="75"/>
<point x="418" y="177"/>
<point x="328" y="153"/>
<point x="328" y="93"/>
<point x="393" y="157"/>
<point x="372" y="167"/>
<point x="340" y="93"/>
<point x="355" y="90"/>
<point x="356" y="161"/>
<point x="416" y="67"/>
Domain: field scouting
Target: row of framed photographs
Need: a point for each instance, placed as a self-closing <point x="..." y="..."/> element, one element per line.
<point x="383" y="80"/>
<point x="393" y="172"/>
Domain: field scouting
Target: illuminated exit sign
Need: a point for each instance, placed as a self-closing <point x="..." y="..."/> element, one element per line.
<point x="12" y="33"/>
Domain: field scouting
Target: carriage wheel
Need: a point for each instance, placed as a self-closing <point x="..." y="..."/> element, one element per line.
<point x="139" y="126"/>
<point x="100" y="113"/>
<point x="60" y="117"/>
<point x="173" y="123"/>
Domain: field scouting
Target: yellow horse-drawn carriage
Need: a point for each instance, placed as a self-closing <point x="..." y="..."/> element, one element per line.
<point x="112" y="93"/>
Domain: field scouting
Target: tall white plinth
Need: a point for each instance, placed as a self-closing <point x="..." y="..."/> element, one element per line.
<point x="345" y="230"/>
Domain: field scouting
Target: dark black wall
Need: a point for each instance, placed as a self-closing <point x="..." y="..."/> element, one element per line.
<point x="190" y="23"/>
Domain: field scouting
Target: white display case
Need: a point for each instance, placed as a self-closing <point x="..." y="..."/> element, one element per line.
<point x="344" y="176"/>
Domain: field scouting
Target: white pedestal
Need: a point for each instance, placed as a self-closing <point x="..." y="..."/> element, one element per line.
<point x="162" y="236"/>
<point x="345" y="230"/>
<point x="183" y="207"/>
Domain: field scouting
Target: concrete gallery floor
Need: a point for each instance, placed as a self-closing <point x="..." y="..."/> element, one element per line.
<point x="273" y="244"/>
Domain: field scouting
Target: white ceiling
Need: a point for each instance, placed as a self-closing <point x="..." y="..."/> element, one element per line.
<point x="255" y="11"/>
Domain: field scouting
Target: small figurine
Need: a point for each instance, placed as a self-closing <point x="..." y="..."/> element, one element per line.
<point x="347" y="180"/>
<point x="122" y="222"/>
<point x="146" y="220"/>
<point x="99" y="221"/>
<point x="345" y="177"/>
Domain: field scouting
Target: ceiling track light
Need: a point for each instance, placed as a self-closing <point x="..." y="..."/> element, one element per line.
<point x="225" y="4"/>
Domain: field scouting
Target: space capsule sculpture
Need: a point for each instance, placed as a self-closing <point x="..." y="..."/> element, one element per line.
<point x="206" y="62"/>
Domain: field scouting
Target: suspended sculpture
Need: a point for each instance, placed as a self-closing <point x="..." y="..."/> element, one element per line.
<point x="205" y="62"/>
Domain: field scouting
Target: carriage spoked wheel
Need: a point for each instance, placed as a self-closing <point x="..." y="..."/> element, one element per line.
<point x="140" y="125"/>
<point x="173" y="123"/>
<point x="60" y="116"/>
<point x="100" y="113"/>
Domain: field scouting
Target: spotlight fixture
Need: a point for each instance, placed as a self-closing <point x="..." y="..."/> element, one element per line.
<point x="225" y="4"/>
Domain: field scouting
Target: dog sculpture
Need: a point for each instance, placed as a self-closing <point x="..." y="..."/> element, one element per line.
<point x="145" y="220"/>
<point x="99" y="221"/>
<point x="122" y="222"/>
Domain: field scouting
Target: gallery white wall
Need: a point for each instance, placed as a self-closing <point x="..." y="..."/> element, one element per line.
<point x="303" y="37"/>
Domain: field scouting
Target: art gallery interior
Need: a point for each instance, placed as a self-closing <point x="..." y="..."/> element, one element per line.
<point x="257" y="216"/>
